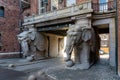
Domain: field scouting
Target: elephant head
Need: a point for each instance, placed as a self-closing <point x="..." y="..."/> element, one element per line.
<point x="24" y="40"/>
<point x="76" y="36"/>
<point x="31" y="41"/>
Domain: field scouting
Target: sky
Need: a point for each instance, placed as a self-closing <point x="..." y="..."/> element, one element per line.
<point x="103" y="1"/>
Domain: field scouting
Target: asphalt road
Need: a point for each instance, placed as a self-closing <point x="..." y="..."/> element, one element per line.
<point x="7" y="74"/>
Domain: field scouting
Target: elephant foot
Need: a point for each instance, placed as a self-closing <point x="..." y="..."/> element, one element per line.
<point x="69" y="63"/>
<point x="28" y="59"/>
<point x="84" y="66"/>
<point x="80" y="66"/>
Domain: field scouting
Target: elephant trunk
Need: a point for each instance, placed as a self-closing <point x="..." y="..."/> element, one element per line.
<point x="69" y="47"/>
<point x="25" y="48"/>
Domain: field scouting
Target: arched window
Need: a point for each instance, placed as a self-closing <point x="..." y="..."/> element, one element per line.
<point x="1" y="11"/>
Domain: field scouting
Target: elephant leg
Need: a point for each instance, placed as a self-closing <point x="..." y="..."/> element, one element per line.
<point x="77" y="54"/>
<point x="85" y="55"/>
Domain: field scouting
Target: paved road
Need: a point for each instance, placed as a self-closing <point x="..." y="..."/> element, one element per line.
<point x="7" y="74"/>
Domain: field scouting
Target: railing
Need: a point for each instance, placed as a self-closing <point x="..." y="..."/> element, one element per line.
<point x="103" y="7"/>
<point x="25" y="4"/>
<point x="66" y="12"/>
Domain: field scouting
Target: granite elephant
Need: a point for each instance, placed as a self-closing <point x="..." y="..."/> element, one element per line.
<point x="32" y="43"/>
<point x="81" y="41"/>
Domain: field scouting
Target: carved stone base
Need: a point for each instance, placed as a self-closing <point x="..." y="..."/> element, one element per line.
<point x="28" y="59"/>
<point x="80" y="66"/>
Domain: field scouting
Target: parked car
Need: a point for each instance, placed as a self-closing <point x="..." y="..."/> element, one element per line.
<point x="101" y="52"/>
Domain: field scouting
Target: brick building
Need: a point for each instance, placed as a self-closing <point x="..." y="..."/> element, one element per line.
<point x="9" y="22"/>
<point x="53" y="17"/>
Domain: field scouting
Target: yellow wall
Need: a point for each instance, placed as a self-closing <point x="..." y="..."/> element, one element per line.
<point x="105" y="49"/>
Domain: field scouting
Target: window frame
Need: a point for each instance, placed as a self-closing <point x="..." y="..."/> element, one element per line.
<point x="2" y="11"/>
<point x="42" y="6"/>
<point x="103" y="7"/>
<point x="0" y="41"/>
<point x="68" y="5"/>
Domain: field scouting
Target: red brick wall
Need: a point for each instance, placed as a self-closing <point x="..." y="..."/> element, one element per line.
<point x="49" y="5"/>
<point x="33" y="10"/>
<point x="9" y="26"/>
<point x="95" y="1"/>
<point x="118" y="36"/>
<point x="34" y="6"/>
<point x="81" y="1"/>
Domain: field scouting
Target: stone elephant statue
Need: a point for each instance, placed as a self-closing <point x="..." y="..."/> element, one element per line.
<point x="32" y="43"/>
<point x="81" y="40"/>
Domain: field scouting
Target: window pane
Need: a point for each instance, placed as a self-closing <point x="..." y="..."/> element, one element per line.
<point x="1" y="12"/>
<point x="54" y="5"/>
<point x="103" y="5"/>
<point x="70" y="2"/>
<point x="103" y="1"/>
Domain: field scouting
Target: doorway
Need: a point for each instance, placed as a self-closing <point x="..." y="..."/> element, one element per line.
<point x="104" y="52"/>
<point x="107" y="27"/>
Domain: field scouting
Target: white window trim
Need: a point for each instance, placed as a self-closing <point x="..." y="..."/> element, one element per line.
<point x="39" y="7"/>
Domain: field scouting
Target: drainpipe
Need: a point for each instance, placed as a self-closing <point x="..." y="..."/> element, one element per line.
<point x="20" y="26"/>
<point x="116" y="33"/>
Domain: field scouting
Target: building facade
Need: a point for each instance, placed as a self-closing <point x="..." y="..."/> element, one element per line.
<point x="54" y="17"/>
<point x="9" y="22"/>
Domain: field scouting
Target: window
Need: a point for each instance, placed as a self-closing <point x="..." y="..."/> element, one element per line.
<point x="1" y="11"/>
<point x="0" y="42"/>
<point x="104" y="40"/>
<point x="54" y="5"/>
<point x="70" y="2"/>
<point x="103" y="5"/>
<point x="43" y="6"/>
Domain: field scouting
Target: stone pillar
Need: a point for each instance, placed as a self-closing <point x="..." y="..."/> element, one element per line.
<point x="118" y="8"/>
<point x="53" y="46"/>
<point x="112" y="43"/>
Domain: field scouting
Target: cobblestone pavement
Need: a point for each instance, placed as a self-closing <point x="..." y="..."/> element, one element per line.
<point x="56" y="68"/>
<point x="100" y="71"/>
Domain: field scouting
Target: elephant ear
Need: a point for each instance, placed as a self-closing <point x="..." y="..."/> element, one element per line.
<point x="86" y="35"/>
<point x="32" y="35"/>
